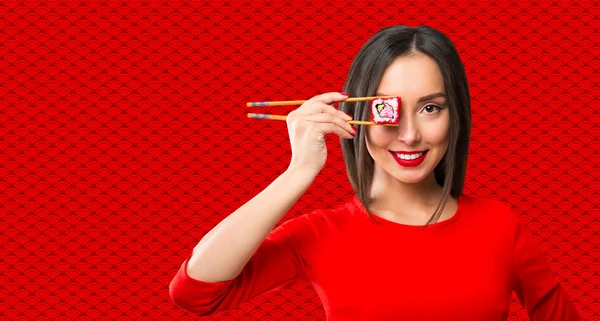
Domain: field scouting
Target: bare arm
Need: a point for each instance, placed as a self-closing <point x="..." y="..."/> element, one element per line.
<point x="224" y="251"/>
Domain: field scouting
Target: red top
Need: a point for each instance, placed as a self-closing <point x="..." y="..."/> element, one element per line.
<point x="463" y="268"/>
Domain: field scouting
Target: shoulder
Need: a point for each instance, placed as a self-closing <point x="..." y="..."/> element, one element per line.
<point x="306" y="232"/>
<point x="488" y="204"/>
<point x="490" y="210"/>
<point x="306" y="219"/>
<point x="316" y="222"/>
<point x="493" y="220"/>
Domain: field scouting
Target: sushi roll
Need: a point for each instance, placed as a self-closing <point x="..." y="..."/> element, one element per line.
<point x="385" y="110"/>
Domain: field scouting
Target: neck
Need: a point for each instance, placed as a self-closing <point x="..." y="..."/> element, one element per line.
<point x="396" y="198"/>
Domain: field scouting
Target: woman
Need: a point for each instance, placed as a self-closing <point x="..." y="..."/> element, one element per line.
<point x="383" y="255"/>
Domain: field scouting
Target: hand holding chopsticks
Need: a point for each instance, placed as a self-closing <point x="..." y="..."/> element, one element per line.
<point x="309" y="124"/>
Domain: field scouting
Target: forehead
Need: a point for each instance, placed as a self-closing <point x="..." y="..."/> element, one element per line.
<point x="412" y="76"/>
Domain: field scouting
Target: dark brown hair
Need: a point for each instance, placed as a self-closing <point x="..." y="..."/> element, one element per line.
<point x="363" y="79"/>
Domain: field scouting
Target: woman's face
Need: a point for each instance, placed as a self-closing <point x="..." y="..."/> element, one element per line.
<point x="423" y="124"/>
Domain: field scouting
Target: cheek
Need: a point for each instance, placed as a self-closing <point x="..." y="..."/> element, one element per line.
<point x="437" y="134"/>
<point x="379" y="136"/>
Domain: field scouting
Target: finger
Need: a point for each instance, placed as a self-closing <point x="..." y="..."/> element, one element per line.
<point x="330" y="97"/>
<point x="339" y="118"/>
<point x="340" y="126"/>
<point x="318" y="107"/>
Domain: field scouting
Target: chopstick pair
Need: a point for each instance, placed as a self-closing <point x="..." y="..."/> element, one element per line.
<point x="300" y="102"/>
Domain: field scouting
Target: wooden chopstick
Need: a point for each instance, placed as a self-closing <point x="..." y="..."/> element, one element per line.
<point x="284" y="117"/>
<point x="300" y="102"/>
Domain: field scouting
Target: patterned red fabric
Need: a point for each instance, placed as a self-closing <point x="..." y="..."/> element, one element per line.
<point x="124" y="137"/>
<point x="462" y="268"/>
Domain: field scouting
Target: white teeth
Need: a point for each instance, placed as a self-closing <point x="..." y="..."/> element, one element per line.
<point x="409" y="157"/>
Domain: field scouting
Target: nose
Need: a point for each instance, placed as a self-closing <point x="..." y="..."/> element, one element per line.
<point x="407" y="130"/>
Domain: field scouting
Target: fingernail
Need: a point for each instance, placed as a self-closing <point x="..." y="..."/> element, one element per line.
<point x="345" y="94"/>
<point x="356" y="130"/>
<point x="348" y="115"/>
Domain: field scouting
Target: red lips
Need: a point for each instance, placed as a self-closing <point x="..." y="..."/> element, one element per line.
<point x="409" y="162"/>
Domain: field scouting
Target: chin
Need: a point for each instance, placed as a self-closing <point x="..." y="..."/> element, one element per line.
<point x="408" y="177"/>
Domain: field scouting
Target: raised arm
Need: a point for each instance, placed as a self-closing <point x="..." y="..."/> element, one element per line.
<point x="236" y="260"/>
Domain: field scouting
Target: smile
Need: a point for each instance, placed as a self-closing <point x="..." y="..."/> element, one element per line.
<point x="409" y="160"/>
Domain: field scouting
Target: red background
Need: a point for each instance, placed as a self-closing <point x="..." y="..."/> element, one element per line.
<point x="124" y="137"/>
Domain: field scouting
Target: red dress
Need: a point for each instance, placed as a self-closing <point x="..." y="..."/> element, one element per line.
<point x="463" y="268"/>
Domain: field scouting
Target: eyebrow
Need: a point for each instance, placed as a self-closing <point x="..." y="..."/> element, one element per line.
<point x="422" y="99"/>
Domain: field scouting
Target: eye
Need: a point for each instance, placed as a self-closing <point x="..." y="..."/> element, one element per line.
<point x="431" y="107"/>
